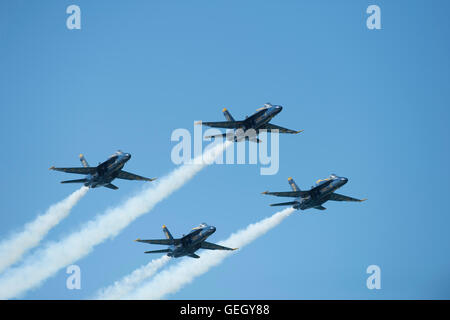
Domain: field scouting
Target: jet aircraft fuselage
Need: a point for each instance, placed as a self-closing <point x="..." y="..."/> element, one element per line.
<point x="104" y="173"/>
<point x="250" y="127"/>
<point x="261" y="117"/>
<point x="323" y="191"/>
<point x="107" y="171"/>
<point x="320" y="193"/>
<point x="192" y="241"/>
<point x="188" y="244"/>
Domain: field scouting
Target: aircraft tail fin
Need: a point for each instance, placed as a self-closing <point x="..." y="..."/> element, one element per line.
<point x="293" y="184"/>
<point x="75" y="181"/>
<point x="167" y="233"/>
<point x="290" y="203"/>
<point x="83" y="161"/>
<point x="227" y="115"/>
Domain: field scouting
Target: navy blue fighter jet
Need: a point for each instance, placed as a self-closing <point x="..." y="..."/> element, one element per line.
<point x="249" y="128"/>
<point x="104" y="173"/>
<point x="188" y="244"/>
<point x="323" y="191"/>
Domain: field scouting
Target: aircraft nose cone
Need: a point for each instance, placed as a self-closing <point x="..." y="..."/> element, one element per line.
<point x="344" y="180"/>
<point x="212" y="229"/>
<point x="128" y="156"/>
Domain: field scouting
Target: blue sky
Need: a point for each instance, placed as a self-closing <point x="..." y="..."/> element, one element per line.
<point x="373" y="104"/>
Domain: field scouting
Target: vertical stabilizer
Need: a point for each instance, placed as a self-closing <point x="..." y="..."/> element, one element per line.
<point x="293" y="184"/>
<point x="227" y="115"/>
<point x="167" y="233"/>
<point x="83" y="161"/>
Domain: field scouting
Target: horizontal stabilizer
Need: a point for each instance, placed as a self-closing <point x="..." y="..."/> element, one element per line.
<point x="294" y="194"/>
<point x="291" y="203"/>
<point x="193" y="255"/>
<point x="158" y="251"/>
<point x="78" y="170"/>
<point x="320" y="208"/>
<point x="229" y="136"/>
<point x="167" y="242"/>
<point x="223" y="124"/>
<point x="75" y="181"/>
<point x="111" y="186"/>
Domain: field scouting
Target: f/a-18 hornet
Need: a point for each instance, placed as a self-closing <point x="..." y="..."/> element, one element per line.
<point x="188" y="244"/>
<point x="323" y="191"/>
<point x="104" y="173"/>
<point x="250" y="127"/>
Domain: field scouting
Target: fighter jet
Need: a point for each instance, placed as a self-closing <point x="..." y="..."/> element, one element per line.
<point x="104" y="173"/>
<point x="323" y="191"/>
<point x="188" y="244"/>
<point x="249" y="128"/>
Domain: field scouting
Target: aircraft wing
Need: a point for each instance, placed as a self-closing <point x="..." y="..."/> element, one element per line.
<point x="167" y="242"/>
<point x="213" y="246"/>
<point x="131" y="176"/>
<point x="291" y="203"/>
<point x="79" y="170"/>
<point x="269" y="127"/>
<point x="158" y="251"/>
<point x="294" y="194"/>
<point x="340" y="197"/>
<point x="223" y="124"/>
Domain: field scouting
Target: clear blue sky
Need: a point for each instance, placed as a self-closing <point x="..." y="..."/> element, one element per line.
<point x="373" y="104"/>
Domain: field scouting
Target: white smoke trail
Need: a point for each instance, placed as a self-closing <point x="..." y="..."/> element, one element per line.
<point x="12" y="249"/>
<point x="123" y="287"/>
<point x="77" y="245"/>
<point x="174" y="278"/>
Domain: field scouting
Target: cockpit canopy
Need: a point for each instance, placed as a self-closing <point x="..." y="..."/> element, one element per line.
<point x="202" y="225"/>
<point x="321" y="181"/>
<point x="117" y="153"/>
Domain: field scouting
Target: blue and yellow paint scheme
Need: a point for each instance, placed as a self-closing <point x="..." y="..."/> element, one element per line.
<point x="104" y="173"/>
<point x="250" y="127"/>
<point x="188" y="244"/>
<point x="323" y="191"/>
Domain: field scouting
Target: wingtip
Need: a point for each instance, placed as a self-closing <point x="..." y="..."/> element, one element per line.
<point x="51" y="168"/>
<point x="265" y="192"/>
<point x="298" y="131"/>
<point x="235" y="249"/>
<point x="138" y="239"/>
<point x="197" y="122"/>
<point x="81" y="155"/>
<point x="290" y="178"/>
<point x="363" y="200"/>
<point x="164" y="226"/>
<point x="224" y="109"/>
